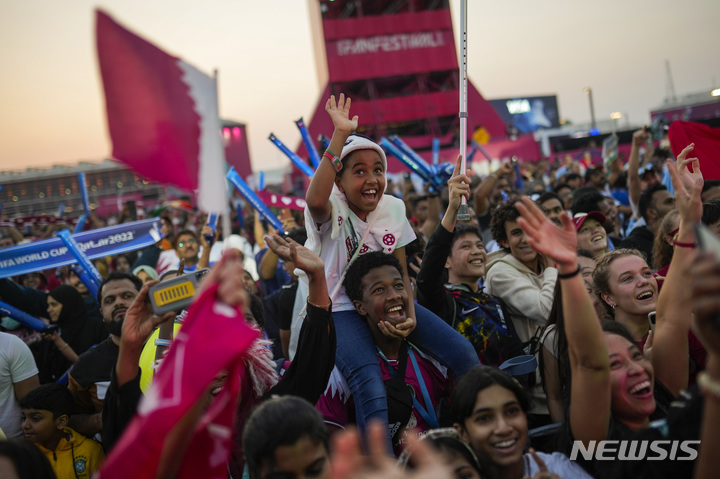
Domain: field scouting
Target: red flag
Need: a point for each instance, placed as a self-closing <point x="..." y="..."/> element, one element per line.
<point x="214" y="337"/>
<point x="707" y="145"/>
<point x="162" y="114"/>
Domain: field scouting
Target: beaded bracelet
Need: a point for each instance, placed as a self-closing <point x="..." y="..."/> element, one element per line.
<point x="336" y="162"/>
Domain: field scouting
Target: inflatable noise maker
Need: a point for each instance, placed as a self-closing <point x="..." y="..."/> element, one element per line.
<point x="253" y="199"/>
<point x="87" y="272"/>
<point x="307" y="141"/>
<point x="22" y="317"/>
<point x="435" y="176"/>
<point x="297" y="161"/>
<point x="212" y="223"/>
<point x="85" y="202"/>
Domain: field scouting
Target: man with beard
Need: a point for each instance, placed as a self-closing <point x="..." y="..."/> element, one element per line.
<point x="90" y="376"/>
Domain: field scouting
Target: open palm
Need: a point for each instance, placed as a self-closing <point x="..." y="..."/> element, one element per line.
<point x="545" y="237"/>
<point x="688" y="185"/>
<point x="340" y="113"/>
<point x="290" y="250"/>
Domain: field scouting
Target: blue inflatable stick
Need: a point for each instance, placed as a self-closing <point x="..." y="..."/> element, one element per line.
<point x="24" y="318"/>
<point x="253" y="199"/>
<point x="302" y="166"/>
<point x="84" y="194"/>
<point x="307" y="141"/>
<point x="88" y="274"/>
<point x="436" y="152"/>
<point x="411" y="153"/>
<point x="212" y="223"/>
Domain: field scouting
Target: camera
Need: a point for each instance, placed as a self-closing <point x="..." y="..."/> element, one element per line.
<point x="175" y="294"/>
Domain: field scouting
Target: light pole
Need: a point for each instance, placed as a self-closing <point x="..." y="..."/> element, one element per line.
<point x="616" y="115"/>
<point x="588" y="92"/>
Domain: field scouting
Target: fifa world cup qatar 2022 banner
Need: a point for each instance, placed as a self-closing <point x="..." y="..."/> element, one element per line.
<point x="52" y="253"/>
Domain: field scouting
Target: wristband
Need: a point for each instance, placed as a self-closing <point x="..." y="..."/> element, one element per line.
<point x="569" y="275"/>
<point x="708" y="386"/>
<point x="162" y="342"/>
<point x="64" y="347"/>
<point x="684" y="245"/>
<point x="336" y="162"/>
<point x="326" y="307"/>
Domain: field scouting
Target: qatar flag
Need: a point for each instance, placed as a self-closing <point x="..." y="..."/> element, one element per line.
<point x="175" y="433"/>
<point x="162" y="114"/>
<point x="707" y="145"/>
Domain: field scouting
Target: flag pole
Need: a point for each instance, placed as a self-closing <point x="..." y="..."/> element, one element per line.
<point x="225" y="213"/>
<point x="463" y="212"/>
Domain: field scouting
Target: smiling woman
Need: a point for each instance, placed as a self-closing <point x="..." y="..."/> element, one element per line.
<point x="628" y="290"/>
<point x="591" y="233"/>
<point x="489" y="411"/>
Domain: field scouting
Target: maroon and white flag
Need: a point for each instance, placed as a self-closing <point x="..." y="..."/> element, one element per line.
<point x="175" y="433"/>
<point x="162" y="114"/>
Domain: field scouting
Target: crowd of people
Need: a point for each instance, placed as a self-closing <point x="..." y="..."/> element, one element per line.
<point x="573" y="309"/>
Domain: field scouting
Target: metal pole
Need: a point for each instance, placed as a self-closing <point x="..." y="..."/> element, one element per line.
<point x="463" y="212"/>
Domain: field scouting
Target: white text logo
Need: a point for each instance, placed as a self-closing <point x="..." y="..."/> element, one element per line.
<point x="636" y="450"/>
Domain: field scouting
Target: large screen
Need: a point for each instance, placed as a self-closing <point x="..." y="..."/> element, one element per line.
<point x="530" y="113"/>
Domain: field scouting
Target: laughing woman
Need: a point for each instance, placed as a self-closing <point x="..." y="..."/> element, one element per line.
<point x="614" y="385"/>
<point x="591" y="234"/>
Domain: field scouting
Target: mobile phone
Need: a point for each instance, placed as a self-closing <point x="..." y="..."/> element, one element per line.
<point x="651" y="319"/>
<point x="709" y="241"/>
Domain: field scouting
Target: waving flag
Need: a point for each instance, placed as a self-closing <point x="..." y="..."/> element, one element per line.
<point x="171" y="418"/>
<point x="162" y="114"/>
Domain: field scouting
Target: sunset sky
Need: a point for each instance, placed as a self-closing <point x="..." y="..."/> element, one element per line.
<point x="52" y="109"/>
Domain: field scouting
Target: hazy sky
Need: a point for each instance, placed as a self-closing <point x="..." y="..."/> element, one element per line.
<point x="51" y="103"/>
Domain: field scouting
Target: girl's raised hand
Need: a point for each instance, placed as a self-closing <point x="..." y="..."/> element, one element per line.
<point x="340" y="114"/>
<point x="544" y="236"/>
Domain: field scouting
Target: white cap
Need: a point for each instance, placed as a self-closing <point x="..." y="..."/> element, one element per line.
<point x="359" y="142"/>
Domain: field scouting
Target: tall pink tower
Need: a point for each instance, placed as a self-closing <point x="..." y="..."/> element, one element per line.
<point x="397" y="60"/>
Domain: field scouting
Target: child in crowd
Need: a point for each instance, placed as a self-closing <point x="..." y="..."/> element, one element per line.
<point x="347" y="214"/>
<point x="286" y="437"/>
<point x="459" y="252"/>
<point x="375" y="284"/>
<point x="45" y="415"/>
